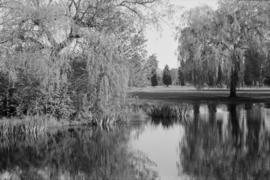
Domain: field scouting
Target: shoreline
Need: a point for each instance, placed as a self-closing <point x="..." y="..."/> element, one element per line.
<point x="179" y="94"/>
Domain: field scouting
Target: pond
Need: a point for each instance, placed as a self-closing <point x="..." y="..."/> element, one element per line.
<point x="209" y="141"/>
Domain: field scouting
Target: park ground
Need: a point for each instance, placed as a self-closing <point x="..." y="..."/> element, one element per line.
<point x="178" y="94"/>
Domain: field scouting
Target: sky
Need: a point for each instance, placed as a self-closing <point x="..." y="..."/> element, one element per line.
<point x="162" y="42"/>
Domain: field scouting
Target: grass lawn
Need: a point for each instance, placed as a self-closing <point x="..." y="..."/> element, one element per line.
<point x="178" y="93"/>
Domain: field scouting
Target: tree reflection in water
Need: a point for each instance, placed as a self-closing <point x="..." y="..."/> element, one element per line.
<point x="219" y="142"/>
<point x="74" y="153"/>
<point x="234" y="146"/>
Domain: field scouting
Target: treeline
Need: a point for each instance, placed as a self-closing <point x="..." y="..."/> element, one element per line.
<point x="141" y="69"/>
<point x="228" y="46"/>
<point x="69" y="59"/>
<point x="166" y="77"/>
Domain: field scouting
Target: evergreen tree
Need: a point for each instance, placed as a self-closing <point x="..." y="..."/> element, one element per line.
<point x="167" y="79"/>
<point x="154" y="80"/>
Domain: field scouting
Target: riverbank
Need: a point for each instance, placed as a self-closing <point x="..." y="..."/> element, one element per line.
<point x="191" y="94"/>
<point x="35" y="124"/>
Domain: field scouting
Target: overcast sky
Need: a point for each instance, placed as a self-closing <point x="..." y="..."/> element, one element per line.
<point x="162" y="42"/>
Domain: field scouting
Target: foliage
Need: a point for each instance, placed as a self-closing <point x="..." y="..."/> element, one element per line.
<point x="167" y="79"/>
<point x="70" y="59"/>
<point x="141" y="70"/>
<point x="149" y="66"/>
<point x="174" y="76"/>
<point x="154" y="80"/>
<point x="181" y="77"/>
<point x="137" y="60"/>
<point x="266" y="71"/>
<point x="220" y="76"/>
<point x="222" y="37"/>
<point x="193" y="52"/>
<point x="253" y="66"/>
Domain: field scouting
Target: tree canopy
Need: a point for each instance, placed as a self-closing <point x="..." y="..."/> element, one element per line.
<point x="72" y="56"/>
<point x="222" y="37"/>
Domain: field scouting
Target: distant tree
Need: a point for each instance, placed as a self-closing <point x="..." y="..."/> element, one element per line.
<point x="154" y="80"/>
<point x="150" y="65"/>
<point x="219" y="78"/>
<point x="253" y="65"/>
<point x="211" y="80"/>
<point x="222" y="36"/>
<point x="141" y="67"/>
<point x="266" y="72"/>
<point x="137" y="59"/>
<point x="267" y="80"/>
<point x="174" y="75"/>
<point x="167" y="79"/>
<point x="181" y="77"/>
<point x="247" y="75"/>
<point x="159" y="75"/>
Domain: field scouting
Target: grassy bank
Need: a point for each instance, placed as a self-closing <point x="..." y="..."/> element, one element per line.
<point x="33" y="125"/>
<point x="40" y="124"/>
<point x="190" y="94"/>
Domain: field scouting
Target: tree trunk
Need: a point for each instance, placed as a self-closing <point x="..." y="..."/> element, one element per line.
<point x="233" y="85"/>
<point x="234" y="75"/>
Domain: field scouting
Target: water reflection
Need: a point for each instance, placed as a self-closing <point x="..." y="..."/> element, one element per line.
<point x="233" y="143"/>
<point x="75" y="153"/>
<point x="191" y="141"/>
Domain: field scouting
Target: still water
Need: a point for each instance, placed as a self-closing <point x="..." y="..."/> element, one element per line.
<point x="210" y="141"/>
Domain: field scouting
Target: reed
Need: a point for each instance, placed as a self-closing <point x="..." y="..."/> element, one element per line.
<point x="166" y="111"/>
<point x="29" y="129"/>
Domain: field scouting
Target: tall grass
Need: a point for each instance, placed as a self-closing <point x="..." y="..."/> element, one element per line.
<point x="28" y="130"/>
<point x="167" y="111"/>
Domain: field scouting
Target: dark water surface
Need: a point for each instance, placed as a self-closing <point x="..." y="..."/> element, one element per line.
<point x="210" y="141"/>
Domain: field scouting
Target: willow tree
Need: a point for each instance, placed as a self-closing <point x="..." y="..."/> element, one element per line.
<point x="221" y="37"/>
<point x="136" y="58"/>
<point x="194" y="52"/>
<point x="96" y="32"/>
<point x="235" y="25"/>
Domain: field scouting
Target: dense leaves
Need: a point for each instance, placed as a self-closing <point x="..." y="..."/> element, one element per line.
<point x="167" y="79"/>
<point x="69" y="58"/>
<point x="181" y="76"/>
<point x="154" y="80"/>
<point x="226" y="40"/>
